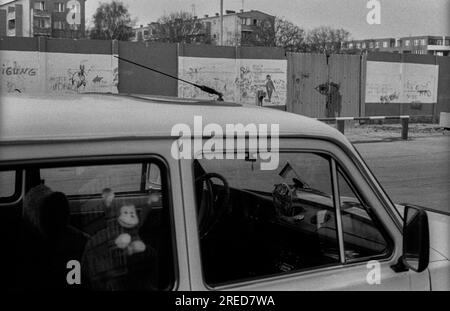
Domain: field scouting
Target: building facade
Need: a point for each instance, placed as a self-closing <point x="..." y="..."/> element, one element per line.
<point x="431" y="45"/>
<point x="239" y="29"/>
<point x="50" y="18"/>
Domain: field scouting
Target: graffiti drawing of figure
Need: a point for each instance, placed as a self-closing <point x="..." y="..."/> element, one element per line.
<point x="79" y="78"/>
<point x="334" y="98"/>
<point x="270" y="87"/>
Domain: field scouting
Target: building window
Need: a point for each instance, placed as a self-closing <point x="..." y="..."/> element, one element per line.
<point x="439" y="42"/>
<point x="350" y="45"/>
<point x="11" y="9"/>
<point x="377" y="44"/>
<point x="406" y="42"/>
<point x="58" y="25"/>
<point x="12" y="24"/>
<point x="40" y="5"/>
<point x="371" y="45"/>
<point x="423" y="42"/>
<point x="59" y="7"/>
<point x="385" y="44"/>
<point x="363" y="45"/>
<point x="41" y="22"/>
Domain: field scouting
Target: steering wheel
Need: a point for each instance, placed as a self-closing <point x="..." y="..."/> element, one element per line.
<point x="212" y="205"/>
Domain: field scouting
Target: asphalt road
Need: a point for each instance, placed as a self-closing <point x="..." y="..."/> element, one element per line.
<point x="415" y="171"/>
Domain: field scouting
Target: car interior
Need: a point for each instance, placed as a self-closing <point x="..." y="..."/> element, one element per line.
<point x="35" y="255"/>
<point x="247" y="234"/>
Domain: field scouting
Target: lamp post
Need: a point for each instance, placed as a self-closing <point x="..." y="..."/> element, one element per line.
<point x="221" y="22"/>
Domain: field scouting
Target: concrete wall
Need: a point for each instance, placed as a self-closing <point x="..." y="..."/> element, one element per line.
<point x="301" y="80"/>
<point x="425" y="74"/>
<point x="39" y="65"/>
<point x="238" y="72"/>
<point x="136" y="80"/>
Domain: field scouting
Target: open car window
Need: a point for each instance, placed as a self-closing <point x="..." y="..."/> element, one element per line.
<point x="275" y="222"/>
<point x="257" y="223"/>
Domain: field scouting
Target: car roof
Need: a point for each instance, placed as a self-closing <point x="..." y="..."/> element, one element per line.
<point x="86" y="116"/>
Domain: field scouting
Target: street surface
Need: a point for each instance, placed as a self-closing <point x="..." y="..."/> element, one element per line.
<point x="415" y="171"/>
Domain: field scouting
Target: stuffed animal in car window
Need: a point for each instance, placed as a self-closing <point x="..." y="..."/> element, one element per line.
<point x="129" y="239"/>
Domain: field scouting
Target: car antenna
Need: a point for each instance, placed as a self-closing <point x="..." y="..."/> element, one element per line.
<point x="204" y="88"/>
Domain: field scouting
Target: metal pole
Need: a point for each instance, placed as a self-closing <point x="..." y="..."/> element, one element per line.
<point x="405" y="123"/>
<point x="340" y="125"/>
<point x="221" y="22"/>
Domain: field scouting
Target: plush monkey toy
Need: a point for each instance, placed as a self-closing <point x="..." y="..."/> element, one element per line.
<point x="129" y="239"/>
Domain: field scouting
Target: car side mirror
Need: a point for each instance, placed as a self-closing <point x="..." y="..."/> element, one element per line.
<point x="416" y="239"/>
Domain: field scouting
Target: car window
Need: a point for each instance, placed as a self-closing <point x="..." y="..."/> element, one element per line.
<point x="7" y="184"/>
<point x="120" y="240"/>
<point x="272" y="222"/>
<point x="362" y="238"/>
<point x="81" y="180"/>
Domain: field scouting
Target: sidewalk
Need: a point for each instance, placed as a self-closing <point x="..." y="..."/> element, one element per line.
<point x="389" y="132"/>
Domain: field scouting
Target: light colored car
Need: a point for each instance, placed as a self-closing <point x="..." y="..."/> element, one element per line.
<point x="104" y="192"/>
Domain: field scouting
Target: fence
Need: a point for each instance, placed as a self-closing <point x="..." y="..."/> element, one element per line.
<point x="314" y="85"/>
<point x="320" y="85"/>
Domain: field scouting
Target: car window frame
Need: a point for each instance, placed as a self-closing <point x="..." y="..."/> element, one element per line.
<point x="334" y="162"/>
<point x="373" y="217"/>
<point x="17" y="196"/>
<point x="25" y="165"/>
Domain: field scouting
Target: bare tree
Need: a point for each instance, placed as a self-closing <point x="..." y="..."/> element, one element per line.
<point x="111" y="21"/>
<point x="262" y="34"/>
<point x="181" y="27"/>
<point x="289" y="36"/>
<point x="325" y="39"/>
<point x="277" y="32"/>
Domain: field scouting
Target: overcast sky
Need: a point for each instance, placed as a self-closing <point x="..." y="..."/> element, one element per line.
<point x="398" y="17"/>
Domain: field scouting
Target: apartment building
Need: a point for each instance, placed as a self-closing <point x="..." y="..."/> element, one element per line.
<point x="239" y="28"/>
<point x="431" y="45"/>
<point x="51" y="18"/>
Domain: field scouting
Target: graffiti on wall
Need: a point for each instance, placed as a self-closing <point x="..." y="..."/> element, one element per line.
<point x="333" y="95"/>
<point x="389" y="82"/>
<point x="239" y="80"/>
<point x="262" y="75"/>
<point x="78" y="73"/>
<point x="19" y="71"/>
<point x="41" y="72"/>
<point x="218" y="73"/>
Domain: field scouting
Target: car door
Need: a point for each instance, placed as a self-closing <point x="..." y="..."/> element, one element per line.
<point x="343" y="235"/>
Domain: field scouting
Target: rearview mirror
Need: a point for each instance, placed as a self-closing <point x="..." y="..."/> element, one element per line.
<point x="416" y="239"/>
